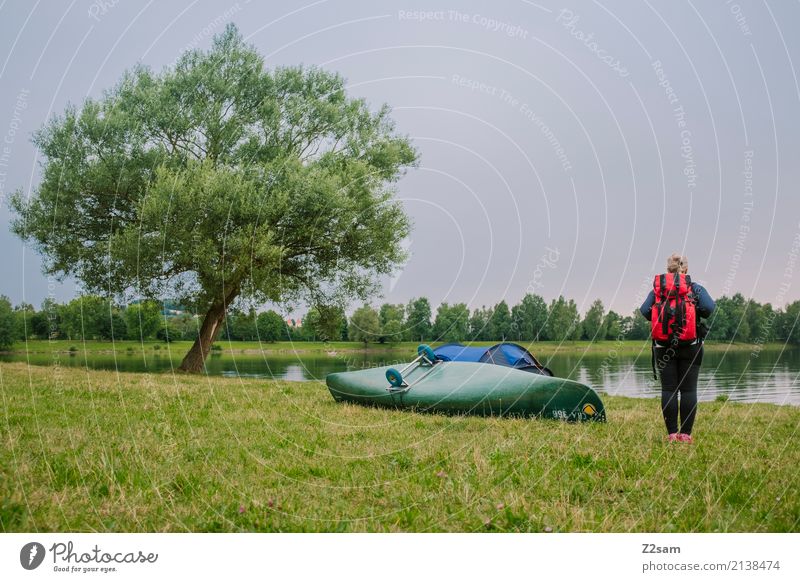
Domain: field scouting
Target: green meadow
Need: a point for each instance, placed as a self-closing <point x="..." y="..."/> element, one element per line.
<point x="105" y="451"/>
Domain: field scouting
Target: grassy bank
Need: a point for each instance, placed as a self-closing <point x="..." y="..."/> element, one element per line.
<point x="101" y="451"/>
<point x="123" y="347"/>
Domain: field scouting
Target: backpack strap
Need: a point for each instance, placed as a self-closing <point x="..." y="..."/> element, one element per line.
<point x="664" y="320"/>
<point x="653" y="359"/>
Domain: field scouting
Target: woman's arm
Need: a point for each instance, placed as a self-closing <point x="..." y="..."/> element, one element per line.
<point x="647" y="306"/>
<point x="705" y="304"/>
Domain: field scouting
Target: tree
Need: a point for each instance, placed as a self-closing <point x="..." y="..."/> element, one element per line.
<point x="613" y="325"/>
<point x="452" y="322"/>
<point x="637" y="326"/>
<point x="219" y="178"/>
<point x="789" y="323"/>
<point x="515" y="333"/>
<point x="563" y="320"/>
<point x="24" y="313"/>
<point x="594" y="324"/>
<point x="241" y="326"/>
<point x="761" y="321"/>
<point x="168" y="331"/>
<point x="270" y="326"/>
<point x="391" y="318"/>
<point x="418" y="321"/>
<point x="500" y="322"/>
<point x="143" y="320"/>
<point x="91" y="317"/>
<point x="323" y="323"/>
<point x="755" y="317"/>
<point x="392" y="331"/>
<point x="729" y="320"/>
<point x="311" y="320"/>
<point x="479" y="324"/>
<point x="8" y="324"/>
<point x="365" y="325"/>
<point x="742" y="328"/>
<point x="40" y="326"/>
<point x="530" y="318"/>
<point x="46" y="322"/>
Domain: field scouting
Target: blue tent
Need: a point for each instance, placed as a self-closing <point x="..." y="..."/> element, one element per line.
<point x="503" y="354"/>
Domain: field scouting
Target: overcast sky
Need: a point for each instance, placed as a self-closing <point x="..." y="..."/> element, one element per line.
<point x="566" y="148"/>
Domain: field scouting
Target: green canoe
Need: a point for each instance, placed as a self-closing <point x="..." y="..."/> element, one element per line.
<point x="471" y="388"/>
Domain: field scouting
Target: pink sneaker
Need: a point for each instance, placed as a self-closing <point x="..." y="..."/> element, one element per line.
<point x="673" y="437"/>
<point x="685" y="438"/>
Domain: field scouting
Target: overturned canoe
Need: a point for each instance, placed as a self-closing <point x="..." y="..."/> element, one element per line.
<point x="471" y="388"/>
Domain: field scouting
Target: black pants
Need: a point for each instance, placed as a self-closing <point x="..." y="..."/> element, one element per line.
<point x="679" y="368"/>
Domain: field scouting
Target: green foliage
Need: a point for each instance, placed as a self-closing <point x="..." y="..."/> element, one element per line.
<point x="323" y="323"/>
<point x="759" y="319"/>
<point x="219" y="177"/>
<point x="167" y="332"/>
<point x="392" y="332"/>
<point x="183" y="326"/>
<point x="563" y="321"/>
<point x="23" y="315"/>
<point x="418" y="323"/>
<point x="90" y="317"/>
<point x="500" y="323"/>
<point x="241" y="326"/>
<point x="479" y="329"/>
<point x="270" y="326"/>
<point x="613" y="325"/>
<point x="594" y="323"/>
<point x="47" y="321"/>
<point x="452" y="322"/>
<point x="529" y="318"/>
<point x="143" y="320"/>
<point x="391" y="318"/>
<point x="638" y="327"/>
<point x="365" y="325"/>
<point x="8" y="324"/>
<point x="789" y="323"/>
<point x="729" y="321"/>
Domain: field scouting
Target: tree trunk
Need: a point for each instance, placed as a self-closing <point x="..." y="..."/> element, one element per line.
<point x="194" y="360"/>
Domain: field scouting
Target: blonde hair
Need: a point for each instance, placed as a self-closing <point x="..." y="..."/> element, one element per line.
<point x="677" y="263"/>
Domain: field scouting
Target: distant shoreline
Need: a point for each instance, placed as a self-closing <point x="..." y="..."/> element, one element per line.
<point x="331" y="348"/>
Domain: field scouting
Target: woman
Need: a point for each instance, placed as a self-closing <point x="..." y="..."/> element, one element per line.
<point x="680" y="365"/>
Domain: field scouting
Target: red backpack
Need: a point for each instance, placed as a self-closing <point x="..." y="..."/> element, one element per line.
<point x="673" y="317"/>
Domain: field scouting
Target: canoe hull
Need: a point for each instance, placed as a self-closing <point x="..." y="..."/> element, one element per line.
<point x="472" y="388"/>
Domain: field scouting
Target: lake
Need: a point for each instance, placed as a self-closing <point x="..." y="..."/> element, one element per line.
<point x="772" y="377"/>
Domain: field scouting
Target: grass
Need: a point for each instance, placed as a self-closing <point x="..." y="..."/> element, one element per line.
<point x="102" y="451"/>
<point x="542" y="349"/>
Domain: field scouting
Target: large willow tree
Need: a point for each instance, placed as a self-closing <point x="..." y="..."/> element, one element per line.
<point x="218" y="179"/>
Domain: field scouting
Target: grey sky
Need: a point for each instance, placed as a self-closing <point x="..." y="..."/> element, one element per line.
<point x="566" y="148"/>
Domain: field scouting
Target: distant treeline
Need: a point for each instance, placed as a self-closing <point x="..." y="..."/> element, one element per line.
<point x="95" y="318"/>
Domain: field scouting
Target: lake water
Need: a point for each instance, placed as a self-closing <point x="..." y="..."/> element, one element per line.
<point x="774" y="376"/>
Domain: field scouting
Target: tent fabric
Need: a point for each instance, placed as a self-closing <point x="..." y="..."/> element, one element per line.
<point x="503" y="354"/>
<point x="459" y="353"/>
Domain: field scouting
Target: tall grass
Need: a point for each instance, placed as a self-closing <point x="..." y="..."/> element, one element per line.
<point x="101" y="451"/>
